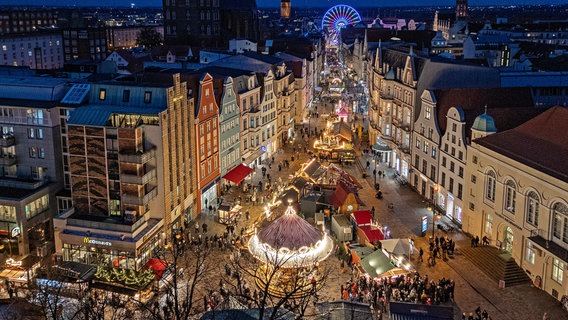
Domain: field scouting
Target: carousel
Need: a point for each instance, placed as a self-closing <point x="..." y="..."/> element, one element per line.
<point x="290" y="250"/>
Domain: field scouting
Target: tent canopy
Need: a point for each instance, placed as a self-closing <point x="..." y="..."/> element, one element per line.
<point x="376" y="264"/>
<point x="238" y="174"/>
<point x="362" y="217"/>
<point x="158" y="266"/>
<point x="397" y="246"/>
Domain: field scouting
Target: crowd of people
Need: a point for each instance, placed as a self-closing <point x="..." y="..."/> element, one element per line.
<point x="411" y="288"/>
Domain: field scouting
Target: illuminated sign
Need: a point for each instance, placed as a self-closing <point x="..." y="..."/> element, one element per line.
<point x="424" y="223"/>
<point x="13" y="263"/>
<point x="88" y="240"/>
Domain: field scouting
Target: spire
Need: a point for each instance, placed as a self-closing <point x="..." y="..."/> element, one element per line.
<point x="485" y="109"/>
<point x="411" y="52"/>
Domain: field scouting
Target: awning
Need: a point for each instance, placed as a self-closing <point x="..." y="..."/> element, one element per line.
<point x="254" y="155"/>
<point x="362" y="217"/>
<point x="238" y="174"/>
<point x="373" y="234"/>
<point x="379" y="147"/>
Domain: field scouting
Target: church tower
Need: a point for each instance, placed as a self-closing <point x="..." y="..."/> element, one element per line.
<point x="285" y="9"/>
<point x="461" y="10"/>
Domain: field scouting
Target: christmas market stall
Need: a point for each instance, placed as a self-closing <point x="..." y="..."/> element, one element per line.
<point x="228" y="213"/>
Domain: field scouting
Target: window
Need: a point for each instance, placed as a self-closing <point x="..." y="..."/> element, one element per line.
<point x="33" y="152"/>
<point x="530" y="254"/>
<point x="560" y="227"/>
<point x="31" y="133"/>
<point x="452" y="166"/>
<point x="148" y="97"/>
<point x="444" y="162"/>
<point x="460" y="190"/>
<point x="451" y="185"/>
<point x="433" y="152"/>
<point x="39" y="134"/>
<point x="473" y="179"/>
<point x="490" y="187"/>
<point x="425" y="147"/>
<point x="474" y="159"/>
<point x="489" y="224"/>
<point x="41" y="153"/>
<point x="558" y="271"/>
<point x="102" y="94"/>
<point x="454" y="127"/>
<point x="433" y="172"/>
<point x="443" y="179"/>
<point x="460" y="172"/>
<point x="416" y="160"/>
<point x="510" y="196"/>
<point x="427" y="112"/>
<point x="125" y="95"/>
<point x="532" y="208"/>
<point x="417" y="144"/>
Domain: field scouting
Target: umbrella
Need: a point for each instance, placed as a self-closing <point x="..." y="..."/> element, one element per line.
<point x="158" y="266"/>
<point x="397" y="246"/>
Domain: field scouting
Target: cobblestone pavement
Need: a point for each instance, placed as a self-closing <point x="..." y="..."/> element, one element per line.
<point x="473" y="288"/>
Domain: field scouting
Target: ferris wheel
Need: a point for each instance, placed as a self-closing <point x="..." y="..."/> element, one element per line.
<point x="338" y="17"/>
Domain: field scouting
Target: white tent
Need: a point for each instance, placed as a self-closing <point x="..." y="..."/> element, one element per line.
<point x="397" y="246"/>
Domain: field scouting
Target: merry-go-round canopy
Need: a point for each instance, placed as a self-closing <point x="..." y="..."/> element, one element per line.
<point x="290" y="242"/>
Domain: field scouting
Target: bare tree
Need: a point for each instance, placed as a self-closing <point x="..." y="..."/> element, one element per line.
<point x="183" y="282"/>
<point x="276" y="286"/>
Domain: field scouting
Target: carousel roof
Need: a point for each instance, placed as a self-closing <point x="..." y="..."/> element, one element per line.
<point x="290" y="231"/>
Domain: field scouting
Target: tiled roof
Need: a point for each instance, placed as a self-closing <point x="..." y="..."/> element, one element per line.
<point x="509" y="107"/>
<point x="540" y="143"/>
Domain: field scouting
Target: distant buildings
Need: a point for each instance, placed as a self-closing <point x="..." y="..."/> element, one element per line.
<point x="37" y="50"/>
<point x="18" y="21"/>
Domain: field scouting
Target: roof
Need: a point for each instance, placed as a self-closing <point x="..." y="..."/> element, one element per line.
<point x="509" y="107"/>
<point x="290" y="231"/>
<point x="338" y="197"/>
<point x="372" y="233"/>
<point x="244" y="63"/>
<point x="376" y="263"/>
<point x="248" y="314"/>
<point x="315" y="170"/>
<point x="342" y="129"/>
<point x="362" y="217"/>
<point x="540" y="143"/>
<point x="98" y="115"/>
<point x="485" y="123"/>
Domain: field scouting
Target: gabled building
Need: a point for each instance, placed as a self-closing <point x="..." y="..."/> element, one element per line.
<point x="442" y="134"/>
<point x="516" y="195"/>
<point x="206" y="135"/>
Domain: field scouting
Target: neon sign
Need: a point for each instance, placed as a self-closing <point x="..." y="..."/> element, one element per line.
<point x="88" y="240"/>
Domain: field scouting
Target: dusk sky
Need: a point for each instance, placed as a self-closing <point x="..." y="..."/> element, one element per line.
<point x="274" y="3"/>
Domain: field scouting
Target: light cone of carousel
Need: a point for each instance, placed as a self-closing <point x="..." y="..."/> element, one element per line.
<point x="289" y="247"/>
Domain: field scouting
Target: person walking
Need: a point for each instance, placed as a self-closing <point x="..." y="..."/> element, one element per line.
<point x="420" y="255"/>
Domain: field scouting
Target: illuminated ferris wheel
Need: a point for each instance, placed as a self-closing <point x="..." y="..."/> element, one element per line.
<point x="338" y="17"/>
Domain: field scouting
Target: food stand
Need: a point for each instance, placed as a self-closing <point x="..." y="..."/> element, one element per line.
<point x="228" y="213"/>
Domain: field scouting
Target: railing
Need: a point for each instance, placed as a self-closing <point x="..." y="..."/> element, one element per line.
<point x="141" y="201"/>
<point x="135" y="179"/>
<point x="7" y="141"/>
<point x="138" y="158"/>
<point x="7" y="160"/>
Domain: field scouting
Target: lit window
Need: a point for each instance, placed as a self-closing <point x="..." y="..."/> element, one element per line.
<point x="102" y="94"/>
<point x="532" y="208"/>
<point x="510" y="196"/>
<point x="558" y="271"/>
<point x="490" y="187"/>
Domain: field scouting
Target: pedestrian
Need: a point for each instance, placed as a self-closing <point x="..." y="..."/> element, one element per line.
<point x="477" y="241"/>
<point x="420" y="255"/>
<point x="196" y="227"/>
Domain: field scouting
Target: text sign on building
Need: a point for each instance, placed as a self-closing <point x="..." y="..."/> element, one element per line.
<point x="88" y="240"/>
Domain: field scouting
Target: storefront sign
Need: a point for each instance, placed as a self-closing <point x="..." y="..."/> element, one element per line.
<point x="87" y="240"/>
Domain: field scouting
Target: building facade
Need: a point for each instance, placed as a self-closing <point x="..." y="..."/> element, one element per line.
<point x="85" y="43"/>
<point x="229" y="122"/>
<point x="26" y="20"/>
<point x="130" y="173"/>
<point x="30" y="162"/>
<point x="37" y="50"/>
<point x="517" y="196"/>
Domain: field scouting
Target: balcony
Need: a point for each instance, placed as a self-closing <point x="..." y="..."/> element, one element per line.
<point x="7" y="141"/>
<point x="137" y="157"/>
<point x="7" y="160"/>
<point x="140" y="180"/>
<point x="405" y="127"/>
<point x="140" y="201"/>
<point x="404" y="148"/>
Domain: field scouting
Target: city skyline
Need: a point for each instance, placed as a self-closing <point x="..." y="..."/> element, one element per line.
<point x="275" y="3"/>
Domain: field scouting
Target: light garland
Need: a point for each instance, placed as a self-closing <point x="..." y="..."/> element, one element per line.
<point x="287" y="258"/>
